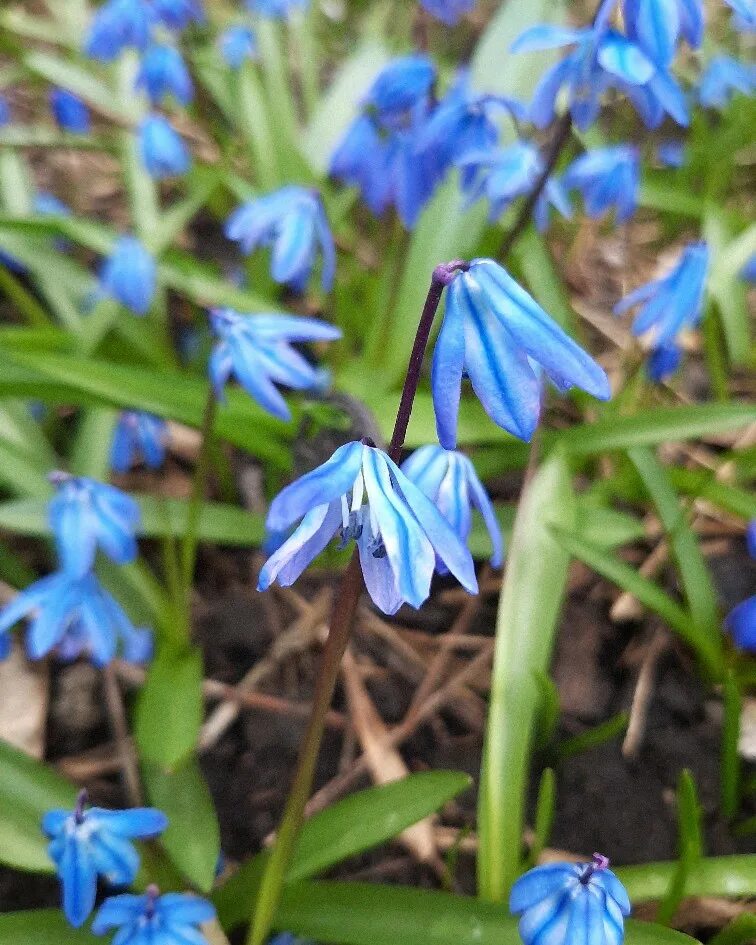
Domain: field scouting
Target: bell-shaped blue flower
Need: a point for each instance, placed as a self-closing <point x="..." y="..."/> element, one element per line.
<point x="70" y="113"/>
<point x="276" y="9"/>
<point x="256" y="349"/>
<point x="178" y="14"/>
<point x="84" y="514"/>
<point x="116" y="25"/>
<point x="91" y="842"/>
<point x="364" y="496"/>
<point x="722" y="79"/>
<point x="498" y="335"/>
<point x="745" y="14"/>
<point x="162" y="149"/>
<point x="748" y="272"/>
<point x="129" y="275"/>
<point x="400" y="86"/>
<point x="138" y="437"/>
<point x="163" y="72"/>
<point x="607" y="177"/>
<point x="571" y="904"/>
<point x="293" y="223"/>
<point x="657" y="25"/>
<point x="152" y="919"/>
<point x="237" y="44"/>
<point x="450" y="481"/>
<point x="449" y="12"/>
<point x="75" y="616"/>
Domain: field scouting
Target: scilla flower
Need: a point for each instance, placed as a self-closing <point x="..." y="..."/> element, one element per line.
<point x="5" y="112"/>
<point x="152" y="919"/>
<point x="162" y="149"/>
<point x="91" y="842"/>
<point x="364" y="496"/>
<point x="607" y="177"/>
<point x="129" y="275"/>
<point x="657" y="25"/>
<point x="178" y="14"/>
<point x="69" y="111"/>
<point x="256" y="349"/>
<point x="237" y="44"/>
<point x="84" y="514"/>
<point x="293" y="223"/>
<point x="138" y="437"/>
<point x="400" y="86"/>
<point x="449" y="11"/>
<point x="278" y="9"/>
<point x="449" y="480"/>
<point x="740" y="623"/>
<point x="745" y="14"/>
<point x="722" y="79"/>
<point x="497" y="335"/>
<point x="571" y="904"/>
<point x="116" y="25"/>
<point x="163" y="72"/>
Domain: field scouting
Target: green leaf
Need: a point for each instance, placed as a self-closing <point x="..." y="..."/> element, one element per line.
<point x="702" y="484"/>
<point x="724" y="284"/>
<point x="741" y="931"/>
<point x="90" y="455"/>
<point x="544" y="815"/>
<point x="732" y="877"/>
<point x="42" y="927"/>
<point x="690" y="845"/>
<point x="730" y="757"/>
<point x="80" y="81"/>
<point x="605" y="527"/>
<point x="543" y="280"/>
<point x="593" y="737"/>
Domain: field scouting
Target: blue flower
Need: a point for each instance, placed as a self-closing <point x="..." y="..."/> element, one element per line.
<point x="48" y="205"/>
<point x="293" y="223"/>
<point x="278" y="9"/>
<point x="75" y="616"/>
<point x="723" y="77"/>
<point x="400" y="86"/>
<point x="449" y="480"/>
<point x="129" y="275"/>
<point x="740" y="623"/>
<point x="607" y="177"/>
<point x="745" y="14"/>
<point x="138" y="437"/>
<point x="663" y="361"/>
<point x="671" y="153"/>
<point x="162" y="149"/>
<point x="449" y="12"/>
<point x="237" y="44"/>
<point x="748" y="272"/>
<point x="87" y="843"/>
<point x="496" y="334"/>
<point x="257" y="350"/>
<point x="178" y="14"/>
<point x="85" y="513"/>
<point x="751" y="538"/>
<point x="5" y="112"/>
<point x="152" y="919"/>
<point x="399" y="532"/>
<point x="163" y="72"/>
<point x="570" y="904"/>
<point x="116" y="25"/>
<point x="69" y="111"/>
<point x="657" y="25"/>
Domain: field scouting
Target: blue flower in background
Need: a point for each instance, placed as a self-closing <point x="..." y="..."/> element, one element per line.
<point x="178" y="14"/>
<point x="237" y="44"/>
<point x="740" y="623"/>
<point x="256" y="349"/>
<point x="751" y="538"/>
<point x="162" y="148"/>
<point x="722" y="79"/>
<point x="116" y="25"/>
<point x="276" y="8"/>
<point x="399" y="532"/>
<point x="293" y="223"/>
<point x="663" y="361"/>
<point x="48" y="205"/>
<point x="449" y="12"/>
<point x="607" y="177"/>
<point x="399" y="87"/>
<point x="5" y="112"/>
<point x="657" y="25"/>
<point x="138" y="437"/>
<point x="497" y="335"/>
<point x="152" y="919"/>
<point x="671" y="153"/>
<point x="129" y="275"/>
<point x="745" y="14"/>
<point x="163" y="72"/>
<point x="83" y="514"/>
<point x="69" y="111"/>
<point x="449" y="480"/>
<point x="748" y="274"/>
<point x="87" y="843"/>
<point x="75" y="616"/>
<point x="571" y="904"/>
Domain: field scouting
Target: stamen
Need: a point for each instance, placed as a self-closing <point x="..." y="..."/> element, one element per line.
<point x="81" y="802"/>
<point x="600" y="862"/>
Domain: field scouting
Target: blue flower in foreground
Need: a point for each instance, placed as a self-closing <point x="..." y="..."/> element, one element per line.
<point x="163" y="72"/>
<point x="75" y="616"/>
<point x="657" y="25"/>
<point x="152" y="919"/>
<point x="138" y="437"/>
<point x="85" y="513"/>
<point x="116" y="25"/>
<point x="256" y="349"/>
<point x="293" y="222"/>
<point x="722" y="78"/>
<point x="571" y="904"/>
<point x="129" y="275"/>
<point x="497" y="335"/>
<point x="178" y="14"/>
<point x="449" y="480"/>
<point x="237" y="44"/>
<point x="449" y="12"/>
<point x="745" y="14"/>
<point x="162" y="148"/>
<point x="607" y="177"/>
<point x="69" y="111"/>
<point x="87" y="843"/>
<point x="276" y="8"/>
<point x="399" y="531"/>
<point x="5" y="112"/>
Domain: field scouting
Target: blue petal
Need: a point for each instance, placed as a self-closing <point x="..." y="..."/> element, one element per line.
<point x="545" y="36"/>
<point x="316" y="529"/>
<point x="114" y="858"/>
<point x="656" y="25"/>
<point x="183" y="909"/>
<point x="53" y="821"/>
<point x="671" y="97"/>
<point x="546" y="922"/>
<point x="614" y="888"/>
<point x="293" y="251"/>
<point x="253" y="379"/>
<point x="75" y="531"/>
<point x="137" y="823"/>
<point x="30" y="598"/>
<point x="541" y="882"/>
<point x="741" y="625"/>
<point x="446" y="371"/>
<point x="483" y="504"/>
<point x="380" y="581"/>
<point x="118" y="910"/>
<point x="624" y="59"/>
<point x="79" y="878"/>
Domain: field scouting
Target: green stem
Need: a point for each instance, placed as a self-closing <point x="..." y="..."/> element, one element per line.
<point x="201" y="470"/>
<point x="22" y="299"/>
<point x="253" y="119"/>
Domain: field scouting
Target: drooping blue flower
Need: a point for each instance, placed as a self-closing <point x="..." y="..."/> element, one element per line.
<point x="498" y="335"/>
<point x="84" y="514"/>
<point x="277" y="9"/>
<point x="91" y="842"/>
<point x="657" y="25"/>
<point x="748" y="272"/>
<point x="5" y="112"/>
<point x="399" y="532"/>
<point x="138" y="437"/>
<point x="178" y="14"/>
<point x="663" y="361"/>
<point x="571" y="904"/>
<point x="293" y="223"/>
<point x="152" y="919"/>
<point x="162" y="148"/>
<point x="671" y="153"/>
<point x="116" y="25"/>
<point x="237" y="44"/>
<point x="400" y="87"/>
<point x="256" y="349"/>
<point x="607" y="177"/>
<point x="69" y="111"/>
<point x="163" y="72"/>
<point x="449" y="12"/>
<point x="129" y="275"/>
<point x="450" y="481"/>
<point x="745" y="14"/>
<point x="722" y="79"/>
<point x="75" y="616"/>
